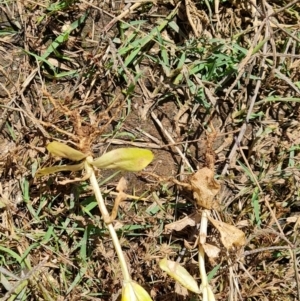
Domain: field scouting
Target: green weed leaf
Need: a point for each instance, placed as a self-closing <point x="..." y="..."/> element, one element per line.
<point x="64" y="151"/>
<point x="130" y="159"/>
<point x="54" y="169"/>
<point x="179" y="273"/>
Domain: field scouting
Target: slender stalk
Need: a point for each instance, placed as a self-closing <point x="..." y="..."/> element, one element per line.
<point x="207" y="294"/>
<point x="202" y="241"/>
<point x="89" y="169"/>
<point x="202" y="267"/>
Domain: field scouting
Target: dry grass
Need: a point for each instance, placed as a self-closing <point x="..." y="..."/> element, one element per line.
<point x="156" y="76"/>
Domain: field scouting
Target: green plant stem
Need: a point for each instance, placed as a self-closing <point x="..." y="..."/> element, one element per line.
<point x="89" y="169"/>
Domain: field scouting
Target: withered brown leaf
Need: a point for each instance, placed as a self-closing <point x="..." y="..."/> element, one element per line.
<point x="231" y="236"/>
<point x="205" y="188"/>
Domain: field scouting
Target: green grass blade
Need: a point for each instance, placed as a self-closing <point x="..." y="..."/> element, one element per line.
<point x="63" y="37"/>
<point x="256" y="206"/>
<point x="77" y="279"/>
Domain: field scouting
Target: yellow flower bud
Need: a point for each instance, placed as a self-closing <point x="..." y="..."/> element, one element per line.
<point x="134" y="292"/>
